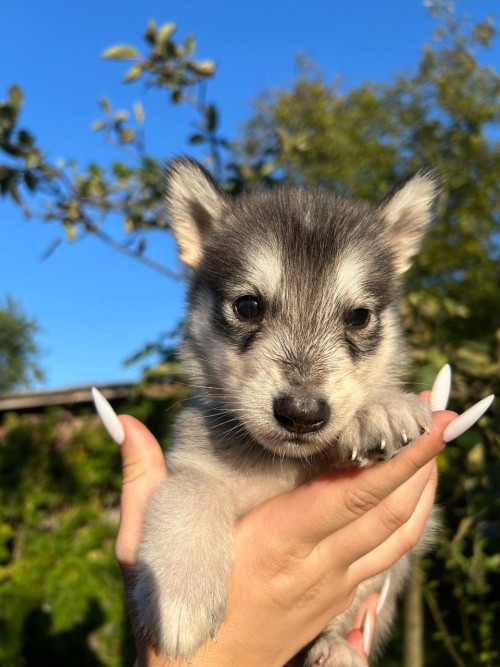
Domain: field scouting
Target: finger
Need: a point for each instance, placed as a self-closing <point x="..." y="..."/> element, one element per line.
<point x="356" y="639"/>
<point x="361" y="635"/>
<point x="376" y="526"/>
<point x="400" y="542"/>
<point x="329" y="502"/>
<point x="425" y="395"/>
<point x="143" y="469"/>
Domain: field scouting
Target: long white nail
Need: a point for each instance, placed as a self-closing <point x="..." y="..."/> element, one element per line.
<point x="108" y="417"/>
<point x="440" y="391"/>
<point x="464" y="421"/>
<point x="367" y="633"/>
<point x="383" y="594"/>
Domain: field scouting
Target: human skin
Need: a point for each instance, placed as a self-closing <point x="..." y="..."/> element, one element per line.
<point x="299" y="556"/>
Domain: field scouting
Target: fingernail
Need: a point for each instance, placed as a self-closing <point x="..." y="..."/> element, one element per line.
<point x="367" y="632"/>
<point x="383" y="594"/>
<point x="440" y="391"/>
<point x="464" y="421"/>
<point x="108" y="417"/>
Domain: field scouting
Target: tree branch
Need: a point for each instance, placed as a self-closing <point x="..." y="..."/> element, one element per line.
<point x="147" y="261"/>
<point x="447" y="640"/>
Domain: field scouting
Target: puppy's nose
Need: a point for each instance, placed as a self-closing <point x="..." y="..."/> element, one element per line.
<point x="300" y="414"/>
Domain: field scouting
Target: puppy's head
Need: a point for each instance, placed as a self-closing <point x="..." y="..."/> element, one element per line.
<point x="293" y="321"/>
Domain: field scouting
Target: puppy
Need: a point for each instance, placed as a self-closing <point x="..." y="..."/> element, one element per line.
<point x="293" y="346"/>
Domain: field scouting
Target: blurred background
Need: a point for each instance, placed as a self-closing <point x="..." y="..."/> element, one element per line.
<point x="93" y="98"/>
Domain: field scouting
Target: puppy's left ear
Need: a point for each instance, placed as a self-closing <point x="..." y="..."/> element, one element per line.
<point x="407" y="212"/>
<point x="195" y="203"/>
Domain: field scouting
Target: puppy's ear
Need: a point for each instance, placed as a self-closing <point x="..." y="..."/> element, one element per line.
<point x="194" y="204"/>
<point x="407" y="212"/>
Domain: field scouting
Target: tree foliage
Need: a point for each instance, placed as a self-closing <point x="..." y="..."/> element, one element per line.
<point x="443" y="114"/>
<point x="18" y="350"/>
<point x="61" y="598"/>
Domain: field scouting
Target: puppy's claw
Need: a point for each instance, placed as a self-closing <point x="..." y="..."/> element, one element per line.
<point x="213" y="638"/>
<point x="405" y="437"/>
<point x="354" y="454"/>
<point x="382" y="445"/>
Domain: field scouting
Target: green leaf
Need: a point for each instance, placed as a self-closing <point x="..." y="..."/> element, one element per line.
<point x="139" y="114"/>
<point x="16" y="96"/>
<point x="133" y="73"/>
<point x="128" y="225"/>
<point x="150" y="32"/>
<point x="196" y="138"/>
<point x="206" y="67"/>
<point x="126" y="136"/>
<point x="121" y="116"/>
<point x="14" y="192"/>
<point x="176" y="96"/>
<point x="25" y="138"/>
<point x="8" y="115"/>
<point x="164" y="33"/>
<point x="120" y="52"/>
<point x="98" y="125"/>
<point x="212" y="118"/>
<point x="33" y="158"/>
<point x="170" y="50"/>
<point x="105" y="104"/>
<point x="31" y="181"/>
<point x="73" y="210"/>
<point x="190" y="44"/>
<point x="70" y="230"/>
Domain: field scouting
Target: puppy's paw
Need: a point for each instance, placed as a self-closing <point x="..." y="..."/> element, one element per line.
<point x="178" y="607"/>
<point x="380" y="429"/>
<point x="339" y="653"/>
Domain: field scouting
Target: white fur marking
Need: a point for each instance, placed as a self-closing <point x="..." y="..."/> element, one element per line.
<point x="349" y="277"/>
<point x="265" y="269"/>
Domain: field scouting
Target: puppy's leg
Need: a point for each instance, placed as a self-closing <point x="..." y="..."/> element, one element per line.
<point x="332" y="650"/>
<point x="185" y="562"/>
<point x="389" y="421"/>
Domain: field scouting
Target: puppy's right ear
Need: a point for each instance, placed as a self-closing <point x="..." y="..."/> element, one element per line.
<point x="194" y="203"/>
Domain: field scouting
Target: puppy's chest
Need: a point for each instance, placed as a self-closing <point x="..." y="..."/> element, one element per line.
<point x="251" y="488"/>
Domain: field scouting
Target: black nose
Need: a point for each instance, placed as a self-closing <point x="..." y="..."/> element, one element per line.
<point x="300" y="414"/>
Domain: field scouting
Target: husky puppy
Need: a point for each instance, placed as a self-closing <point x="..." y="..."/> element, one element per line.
<point x="293" y="345"/>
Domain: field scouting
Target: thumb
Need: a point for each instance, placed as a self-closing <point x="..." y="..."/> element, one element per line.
<point x="143" y="469"/>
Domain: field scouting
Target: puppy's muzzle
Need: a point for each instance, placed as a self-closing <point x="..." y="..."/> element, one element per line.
<point x="300" y="414"/>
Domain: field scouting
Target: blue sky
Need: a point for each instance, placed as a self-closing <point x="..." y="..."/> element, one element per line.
<point x="94" y="306"/>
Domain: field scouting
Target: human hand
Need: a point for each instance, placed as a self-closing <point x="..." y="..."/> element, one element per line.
<point x="301" y="555"/>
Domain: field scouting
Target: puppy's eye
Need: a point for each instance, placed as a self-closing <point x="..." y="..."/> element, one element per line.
<point x="248" y="307"/>
<point x="358" y="318"/>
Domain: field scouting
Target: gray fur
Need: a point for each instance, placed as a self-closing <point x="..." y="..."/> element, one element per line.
<point x="311" y="258"/>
